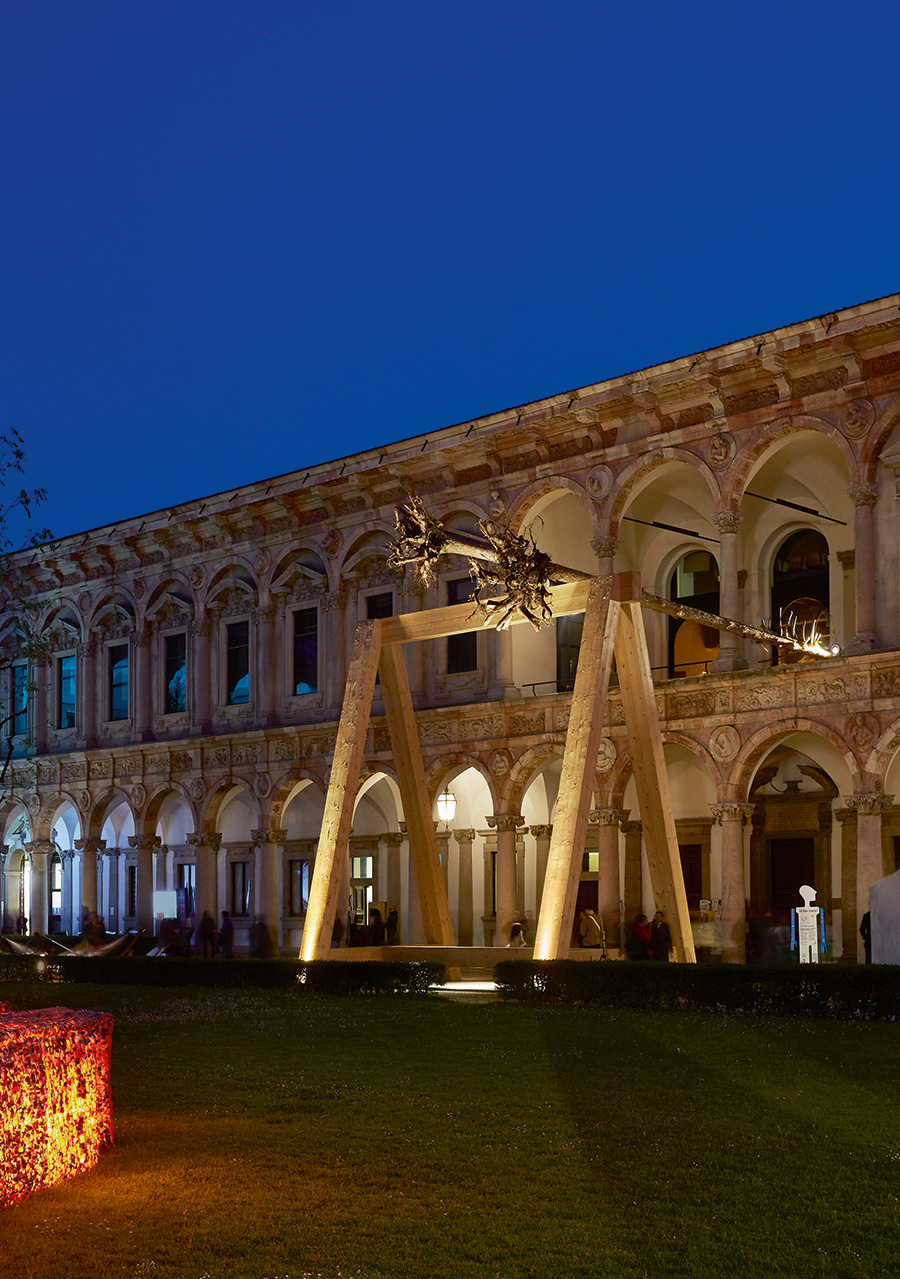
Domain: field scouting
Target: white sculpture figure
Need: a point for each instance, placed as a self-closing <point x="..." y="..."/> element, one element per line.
<point x="808" y="917"/>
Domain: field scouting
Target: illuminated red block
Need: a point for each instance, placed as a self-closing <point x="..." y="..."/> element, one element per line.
<point x="55" y="1100"/>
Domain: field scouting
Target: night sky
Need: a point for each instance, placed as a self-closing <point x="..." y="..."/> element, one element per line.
<point x="243" y="238"/>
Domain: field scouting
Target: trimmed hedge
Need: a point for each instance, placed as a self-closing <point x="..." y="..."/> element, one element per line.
<point x="326" y="977"/>
<point x="830" y="991"/>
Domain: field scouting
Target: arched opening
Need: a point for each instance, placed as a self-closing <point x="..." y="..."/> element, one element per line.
<point x="800" y="586"/>
<point x="695" y="583"/>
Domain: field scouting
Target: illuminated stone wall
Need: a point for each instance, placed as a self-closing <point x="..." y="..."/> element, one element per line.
<point x="55" y="1099"/>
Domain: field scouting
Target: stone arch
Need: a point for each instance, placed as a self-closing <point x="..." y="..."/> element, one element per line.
<point x="526" y="768"/>
<point x="172" y="601"/>
<point x="641" y="472"/>
<point x="234" y="588"/>
<point x="764" y="740"/>
<point x="101" y="806"/>
<point x="874" y="442"/>
<point x="112" y="609"/>
<point x="289" y="785"/>
<point x="299" y="570"/>
<point x="443" y="771"/>
<point x="770" y="439"/>
<point x="218" y="798"/>
<point x="534" y="494"/>
<point x="43" y="824"/>
<point x="147" y="820"/>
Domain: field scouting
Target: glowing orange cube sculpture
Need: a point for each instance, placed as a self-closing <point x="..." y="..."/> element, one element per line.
<point x="55" y="1100"/>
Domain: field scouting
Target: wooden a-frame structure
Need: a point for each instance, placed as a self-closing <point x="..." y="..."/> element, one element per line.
<point x="613" y="626"/>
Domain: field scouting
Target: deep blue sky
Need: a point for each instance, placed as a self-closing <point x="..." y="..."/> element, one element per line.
<point x="244" y="236"/>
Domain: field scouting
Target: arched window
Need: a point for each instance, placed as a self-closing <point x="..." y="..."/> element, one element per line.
<point x="695" y="582"/>
<point x="800" y="584"/>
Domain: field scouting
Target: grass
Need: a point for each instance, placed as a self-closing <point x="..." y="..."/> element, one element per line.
<point x="263" y="1135"/>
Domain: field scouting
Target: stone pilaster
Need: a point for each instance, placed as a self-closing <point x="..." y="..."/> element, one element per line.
<point x="201" y="684"/>
<point x="728" y="524"/>
<point x="609" y="822"/>
<point x="732" y="817"/>
<point x="145" y="845"/>
<point x="393" y="839"/>
<point x="506" y="826"/>
<point x="111" y="912"/>
<point x="870" y="861"/>
<point x="89" y="848"/>
<point x="268" y="860"/>
<point x="87" y="688"/>
<point x="632" y="889"/>
<point x="205" y="845"/>
<point x="143" y="653"/>
<point x="865" y="499"/>
<point x="541" y="836"/>
<point x="464" y="837"/>
<point x="846" y="817"/>
<point x="41" y="851"/>
<point x="268" y="666"/>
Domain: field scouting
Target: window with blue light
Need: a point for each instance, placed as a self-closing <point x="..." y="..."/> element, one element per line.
<point x="175" y="660"/>
<point x="117" y="659"/>
<point x="65" y="691"/>
<point x="238" y="662"/>
<point x="306" y="650"/>
<point x="19" y="699"/>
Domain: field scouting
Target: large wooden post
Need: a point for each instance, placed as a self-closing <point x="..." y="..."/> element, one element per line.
<point x="341" y="796"/>
<point x="407" y="752"/>
<point x="651" y="780"/>
<point x="573" y="804"/>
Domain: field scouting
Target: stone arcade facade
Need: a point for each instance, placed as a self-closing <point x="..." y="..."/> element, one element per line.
<point x="181" y="735"/>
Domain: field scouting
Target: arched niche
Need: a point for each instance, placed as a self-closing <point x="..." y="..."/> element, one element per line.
<point x="561" y="524"/>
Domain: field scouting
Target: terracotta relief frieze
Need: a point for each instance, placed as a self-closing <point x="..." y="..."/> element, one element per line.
<point x="687" y="705"/>
<point x="129" y="766"/>
<point x="319" y="744"/>
<point x="156" y="764"/>
<point x="759" y="698"/>
<point x="481" y="728"/>
<point x="182" y="762"/>
<point x="247" y="753"/>
<point x="74" y="771"/>
<point x="886" y="683"/>
<point x="284" y="748"/>
<point x="522" y="725"/>
<point x="215" y="757"/>
<point x="381" y="740"/>
<point x="821" y="690"/>
<point x="100" y="769"/>
<point x="814" y="383"/>
<point x="437" y="732"/>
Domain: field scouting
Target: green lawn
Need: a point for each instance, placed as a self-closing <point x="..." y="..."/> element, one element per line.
<point x="263" y="1134"/>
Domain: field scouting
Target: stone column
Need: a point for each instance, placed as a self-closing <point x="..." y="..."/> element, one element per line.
<point x="632" y="889"/>
<point x="864" y="498"/>
<point x="609" y="896"/>
<point x="728" y="523"/>
<point x="87" y="687"/>
<point x="41" y="713"/>
<point x="146" y="846"/>
<point x="489" y="919"/>
<point x="849" y="937"/>
<point x="605" y="549"/>
<point x="393" y="839"/>
<point x="143" y="654"/>
<point x="66" y="912"/>
<point x="41" y="851"/>
<point x="442" y="839"/>
<point x="334" y="604"/>
<point x="111" y="912"/>
<point x="201" y="684"/>
<point x="7" y="920"/>
<point x="89" y="848"/>
<point x="267" y="666"/>
<point x="205" y="845"/>
<point x="732" y="817"/>
<point x="542" y="850"/>
<point x="464" y="837"/>
<point x="870" y="860"/>
<point x="268" y="854"/>
<point x="506" y="826"/>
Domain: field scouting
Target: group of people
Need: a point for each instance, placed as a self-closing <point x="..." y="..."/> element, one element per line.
<point x="648" y="940"/>
<point x="175" y="937"/>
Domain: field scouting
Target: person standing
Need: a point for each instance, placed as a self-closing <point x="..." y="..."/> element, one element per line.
<point x="660" y="938"/>
<point x="865" y="932"/>
<point x="226" y="936"/>
<point x="591" y="930"/>
<point x="637" y="938"/>
<point x="207" y="931"/>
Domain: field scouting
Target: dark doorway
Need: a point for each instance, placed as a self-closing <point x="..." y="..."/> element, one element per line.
<point x="692" y="869"/>
<point x="587" y="900"/>
<point x="800" y="587"/>
<point x="793" y="864"/>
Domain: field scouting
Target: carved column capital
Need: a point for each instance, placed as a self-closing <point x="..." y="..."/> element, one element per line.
<point x="540" y="832"/>
<point x="633" y="828"/>
<point x="145" y="843"/>
<point x="43" y="847"/>
<point x="90" y="845"/>
<point x="392" y="837"/>
<point x="869" y="804"/>
<point x="847" y="559"/>
<point x="731" y="811"/>
<point x="728" y="521"/>
<point x="605" y="547"/>
<point x="205" y="839"/>
<point x="271" y="835"/>
<point x="505" y="821"/>
<point x="845" y="815"/>
<point x="464" y="834"/>
<point x="609" y="816"/>
<point x="862" y="493"/>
